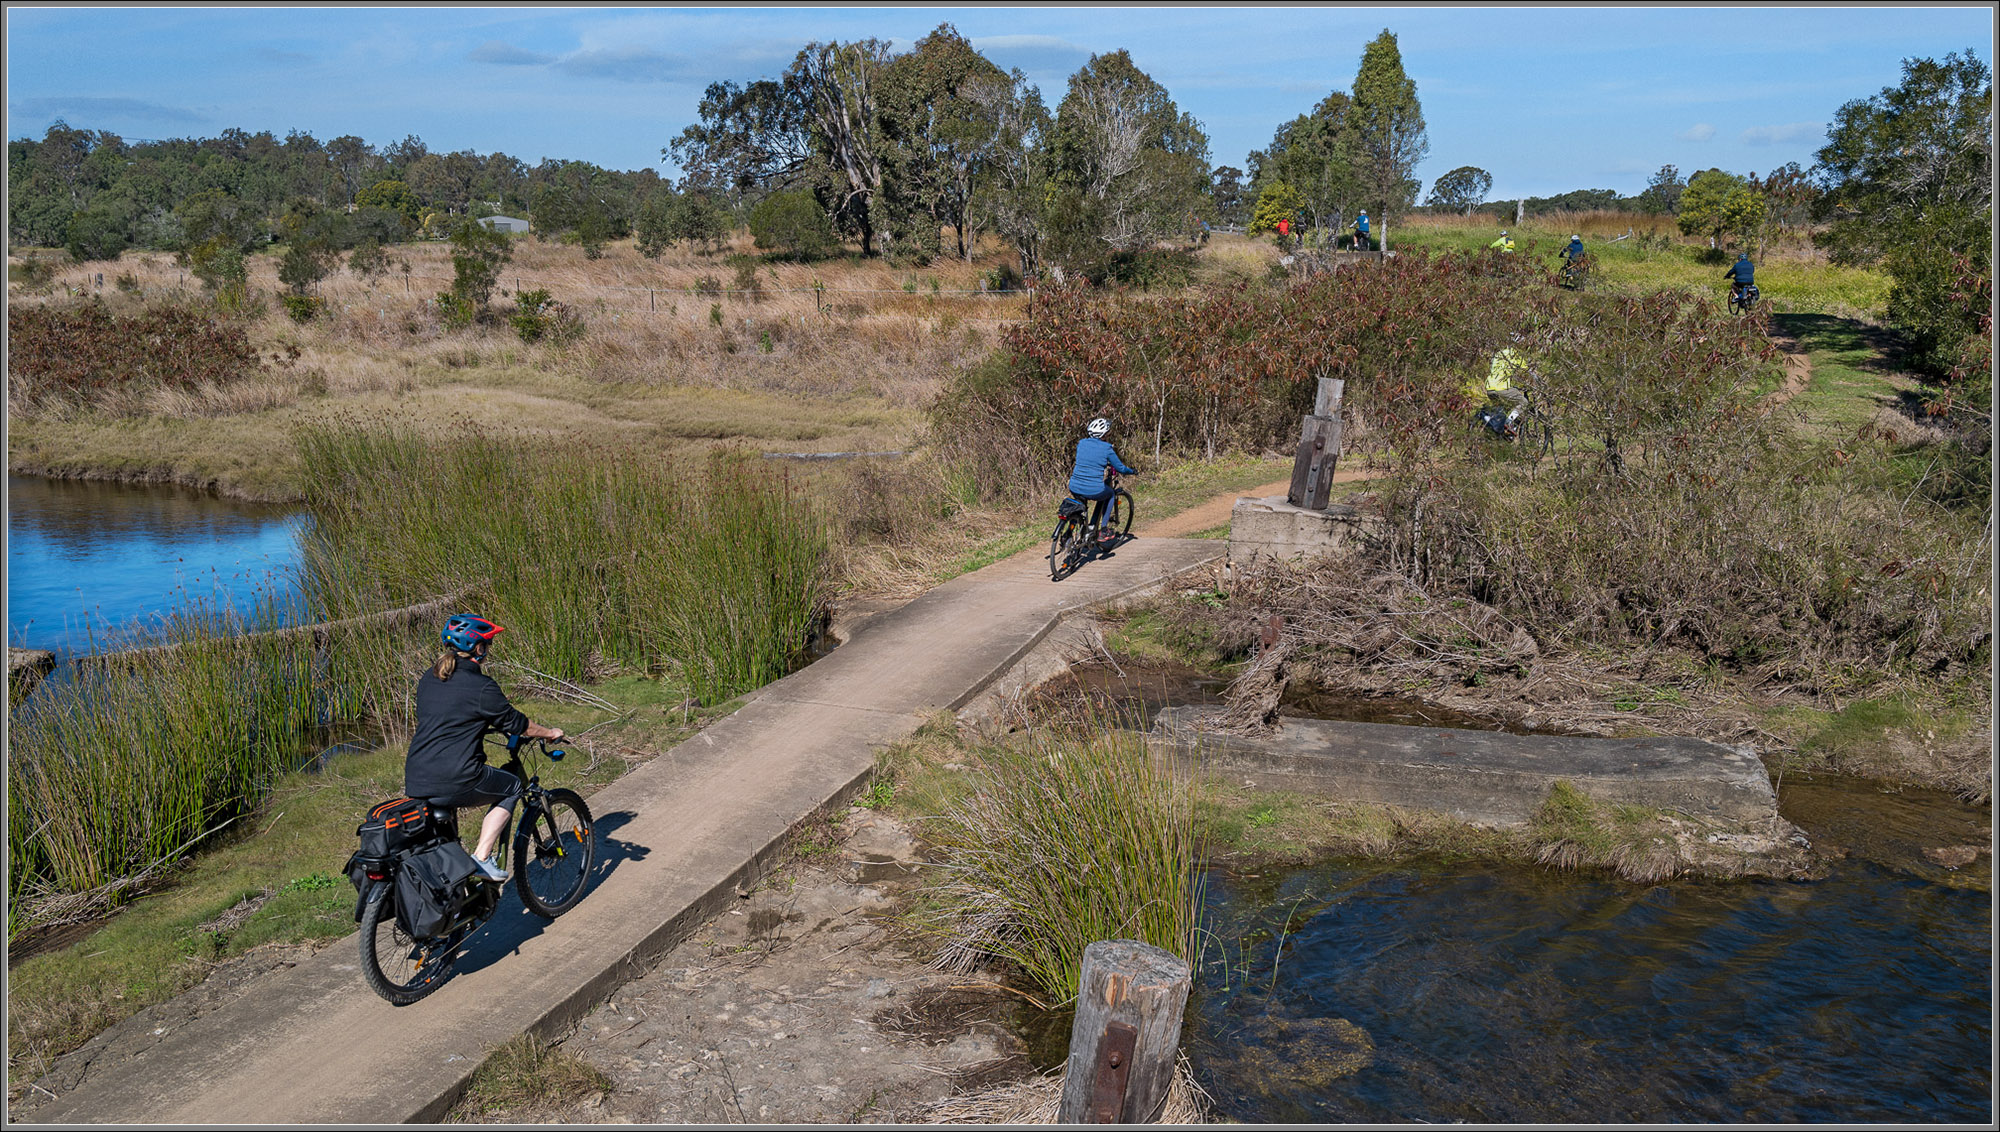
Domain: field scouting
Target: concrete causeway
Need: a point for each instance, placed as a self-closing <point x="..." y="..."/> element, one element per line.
<point x="676" y="837"/>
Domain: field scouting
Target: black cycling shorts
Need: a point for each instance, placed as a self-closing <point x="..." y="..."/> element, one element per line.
<point x="495" y="786"/>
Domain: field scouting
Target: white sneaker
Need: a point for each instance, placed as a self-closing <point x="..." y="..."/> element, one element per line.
<point x="491" y="871"/>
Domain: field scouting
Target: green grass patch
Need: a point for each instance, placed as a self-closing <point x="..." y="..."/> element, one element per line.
<point x="1789" y="283"/>
<point x="1864" y="727"/>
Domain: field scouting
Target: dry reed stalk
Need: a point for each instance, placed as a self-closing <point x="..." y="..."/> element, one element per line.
<point x="1037" y="1100"/>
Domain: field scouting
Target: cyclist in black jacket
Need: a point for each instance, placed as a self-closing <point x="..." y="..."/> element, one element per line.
<point x="457" y="705"/>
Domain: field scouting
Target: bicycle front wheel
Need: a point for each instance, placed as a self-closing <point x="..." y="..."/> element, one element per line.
<point x="1537" y="437"/>
<point x="396" y="966"/>
<point x="1118" y="515"/>
<point x="553" y="851"/>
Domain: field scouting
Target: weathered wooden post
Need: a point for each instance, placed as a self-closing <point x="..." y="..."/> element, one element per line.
<point x="1319" y="449"/>
<point x="1122" y="1049"/>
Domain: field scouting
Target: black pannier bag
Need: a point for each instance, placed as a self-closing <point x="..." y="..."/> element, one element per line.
<point x="1071" y="506"/>
<point x="392" y="827"/>
<point x="431" y="887"/>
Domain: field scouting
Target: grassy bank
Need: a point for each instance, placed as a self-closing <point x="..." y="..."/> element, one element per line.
<point x="1637" y="254"/>
<point x="675" y="355"/>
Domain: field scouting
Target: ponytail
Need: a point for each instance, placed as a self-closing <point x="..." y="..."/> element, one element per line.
<point x="446" y="665"/>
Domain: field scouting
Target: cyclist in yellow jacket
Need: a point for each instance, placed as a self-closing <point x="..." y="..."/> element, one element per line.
<point x="1505" y="243"/>
<point x="1508" y="368"/>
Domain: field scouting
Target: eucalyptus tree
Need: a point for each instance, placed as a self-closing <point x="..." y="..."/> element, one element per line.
<point x="1461" y="190"/>
<point x="940" y="132"/>
<point x="1135" y="163"/>
<point x="1020" y="166"/>
<point x="1314" y="156"/>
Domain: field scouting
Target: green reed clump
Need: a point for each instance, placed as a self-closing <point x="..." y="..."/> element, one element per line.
<point x="1076" y="838"/>
<point x="120" y="768"/>
<point x="593" y="558"/>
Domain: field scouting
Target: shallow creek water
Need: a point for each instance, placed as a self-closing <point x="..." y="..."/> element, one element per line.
<point x="1366" y="992"/>
<point x="91" y="563"/>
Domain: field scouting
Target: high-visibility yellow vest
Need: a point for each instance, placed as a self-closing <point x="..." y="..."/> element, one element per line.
<point x="1500" y="375"/>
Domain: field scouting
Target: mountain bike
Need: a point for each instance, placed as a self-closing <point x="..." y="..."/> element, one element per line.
<point x="1575" y="272"/>
<point x="1742" y="298"/>
<point x="551" y="855"/>
<point x="1071" y="543"/>
<point x="1532" y="432"/>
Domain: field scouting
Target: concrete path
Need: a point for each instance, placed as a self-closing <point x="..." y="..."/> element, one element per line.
<point x="676" y="836"/>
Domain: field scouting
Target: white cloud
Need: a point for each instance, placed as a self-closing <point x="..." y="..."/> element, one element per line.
<point x="507" y="55"/>
<point x="1018" y="42"/>
<point x="1779" y="135"/>
<point x="1699" y="132"/>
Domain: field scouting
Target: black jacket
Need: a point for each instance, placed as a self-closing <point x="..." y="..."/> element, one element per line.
<point x="446" y="755"/>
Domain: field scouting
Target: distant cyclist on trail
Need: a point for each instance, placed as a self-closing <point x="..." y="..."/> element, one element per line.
<point x="1743" y="273"/>
<point x="1505" y="243"/>
<point x="1095" y="460"/>
<point x="457" y="705"/>
<point x="1574" y="251"/>
<point x="1361" y="232"/>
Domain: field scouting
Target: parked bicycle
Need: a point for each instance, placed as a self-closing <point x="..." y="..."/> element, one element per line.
<point x="1071" y="544"/>
<point x="1532" y="431"/>
<point x="420" y="897"/>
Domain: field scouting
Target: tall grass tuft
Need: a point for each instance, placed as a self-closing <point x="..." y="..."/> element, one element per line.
<point x="119" y="769"/>
<point x="594" y="558"/>
<point x="1075" y="838"/>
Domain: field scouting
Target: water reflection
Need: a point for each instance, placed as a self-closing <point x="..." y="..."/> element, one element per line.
<point x="89" y="560"/>
<point x="1493" y="994"/>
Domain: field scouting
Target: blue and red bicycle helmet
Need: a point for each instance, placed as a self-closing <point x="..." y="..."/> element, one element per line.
<point x="464" y="632"/>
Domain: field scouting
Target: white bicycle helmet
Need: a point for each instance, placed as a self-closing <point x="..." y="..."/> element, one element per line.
<point x="1098" y="428"/>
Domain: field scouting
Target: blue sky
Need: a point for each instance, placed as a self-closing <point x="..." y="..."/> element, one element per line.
<point x="1547" y="99"/>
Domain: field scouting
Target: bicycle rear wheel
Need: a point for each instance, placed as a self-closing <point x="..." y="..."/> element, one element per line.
<point x="1061" y="542"/>
<point x="397" y="967"/>
<point x="553" y="851"/>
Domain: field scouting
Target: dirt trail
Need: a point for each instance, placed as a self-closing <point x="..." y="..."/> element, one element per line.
<point x="1798" y="375"/>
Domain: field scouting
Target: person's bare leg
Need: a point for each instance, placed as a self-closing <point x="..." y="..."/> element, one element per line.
<point x="489" y="833"/>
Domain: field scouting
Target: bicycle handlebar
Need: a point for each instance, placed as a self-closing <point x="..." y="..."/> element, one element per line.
<point x="555" y="754"/>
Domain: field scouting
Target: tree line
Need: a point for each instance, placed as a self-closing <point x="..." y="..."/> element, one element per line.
<point x="919" y="153"/>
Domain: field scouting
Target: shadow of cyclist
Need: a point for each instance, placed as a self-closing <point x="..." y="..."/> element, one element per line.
<point x="512" y="924"/>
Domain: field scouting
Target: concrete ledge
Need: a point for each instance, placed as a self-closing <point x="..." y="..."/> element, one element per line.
<point x="1483" y="777"/>
<point x="1272" y="528"/>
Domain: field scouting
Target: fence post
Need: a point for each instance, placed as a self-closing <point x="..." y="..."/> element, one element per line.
<point x="1319" y="449"/>
<point x="1122" y="1047"/>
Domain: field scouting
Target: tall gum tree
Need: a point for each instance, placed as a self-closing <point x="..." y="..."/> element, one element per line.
<point x="1138" y="163"/>
<point x="1388" y="125"/>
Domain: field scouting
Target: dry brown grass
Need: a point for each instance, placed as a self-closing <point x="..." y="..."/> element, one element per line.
<point x="846" y="368"/>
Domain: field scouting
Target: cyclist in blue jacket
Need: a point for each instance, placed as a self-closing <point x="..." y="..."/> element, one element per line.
<point x="1095" y="459"/>
<point x="1742" y="273"/>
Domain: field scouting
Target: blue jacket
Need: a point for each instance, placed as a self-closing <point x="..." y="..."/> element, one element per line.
<point x="1743" y="271"/>
<point x="1092" y="457"/>
<point x="1574" y="249"/>
<point x="1361" y="225"/>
